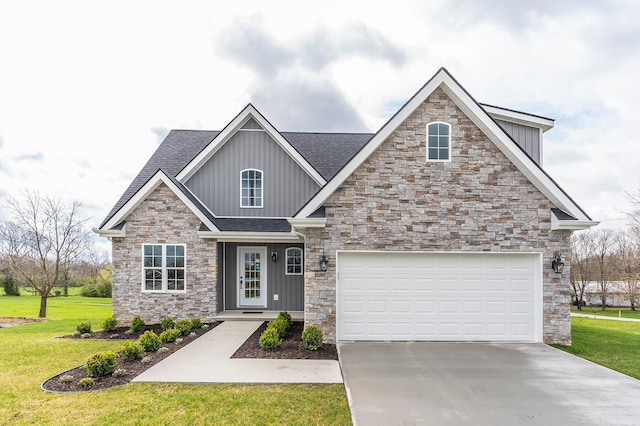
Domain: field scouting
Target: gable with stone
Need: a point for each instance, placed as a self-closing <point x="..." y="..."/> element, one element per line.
<point x="441" y="226"/>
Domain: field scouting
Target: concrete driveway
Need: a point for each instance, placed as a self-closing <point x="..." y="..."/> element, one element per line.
<point x="482" y="384"/>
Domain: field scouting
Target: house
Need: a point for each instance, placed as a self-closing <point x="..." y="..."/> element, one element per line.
<point x="440" y="226"/>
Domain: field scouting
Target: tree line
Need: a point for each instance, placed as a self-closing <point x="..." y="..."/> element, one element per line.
<point x="605" y="256"/>
<point x="46" y="245"/>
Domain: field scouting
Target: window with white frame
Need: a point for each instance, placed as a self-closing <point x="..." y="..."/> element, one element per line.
<point x="438" y="141"/>
<point x="294" y="261"/>
<point x="163" y="267"/>
<point x="251" y="188"/>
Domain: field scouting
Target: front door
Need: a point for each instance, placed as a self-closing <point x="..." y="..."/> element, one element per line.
<point x="252" y="273"/>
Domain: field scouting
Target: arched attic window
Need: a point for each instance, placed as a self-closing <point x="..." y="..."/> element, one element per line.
<point x="251" y="188"/>
<point x="438" y="141"/>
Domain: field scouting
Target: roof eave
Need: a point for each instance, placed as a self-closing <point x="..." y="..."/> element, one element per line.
<point x="244" y="236"/>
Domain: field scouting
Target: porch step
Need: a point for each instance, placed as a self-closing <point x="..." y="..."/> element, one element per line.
<point x="255" y="315"/>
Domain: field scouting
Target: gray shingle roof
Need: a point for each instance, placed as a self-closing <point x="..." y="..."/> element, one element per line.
<point x="326" y="152"/>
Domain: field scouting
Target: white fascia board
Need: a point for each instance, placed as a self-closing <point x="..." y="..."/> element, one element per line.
<point x="313" y="222"/>
<point x="519" y="117"/>
<point x="570" y="225"/>
<point x="151" y="185"/>
<point x="247" y="113"/>
<point x="110" y="233"/>
<point x="231" y="236"/>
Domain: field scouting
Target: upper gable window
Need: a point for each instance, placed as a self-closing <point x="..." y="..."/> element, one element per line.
<point x="251" y="188"/>
<point x="438" y="141"/>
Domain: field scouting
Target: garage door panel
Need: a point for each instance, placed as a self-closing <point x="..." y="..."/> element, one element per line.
<point x="423" y="296"/>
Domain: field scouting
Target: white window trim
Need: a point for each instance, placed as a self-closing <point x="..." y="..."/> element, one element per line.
<point x="286" y="261"/>
<point x="262" y="189"/>
<point x="448" y="160"/>
<point x="165" y="278"/>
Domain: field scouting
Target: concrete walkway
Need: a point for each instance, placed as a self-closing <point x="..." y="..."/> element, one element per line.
<point x="208" y="360"/>
<point x="596" y="316"/>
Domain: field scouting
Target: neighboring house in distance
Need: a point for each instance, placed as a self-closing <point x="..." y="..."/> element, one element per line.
<point x="440" y="226"/>
<point x="617" y="294"/>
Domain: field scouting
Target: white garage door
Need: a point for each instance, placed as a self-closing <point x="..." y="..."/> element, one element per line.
<point x="439" y="296"/>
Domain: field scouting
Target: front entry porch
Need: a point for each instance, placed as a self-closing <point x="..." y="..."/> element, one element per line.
<point x="237" y="315"/>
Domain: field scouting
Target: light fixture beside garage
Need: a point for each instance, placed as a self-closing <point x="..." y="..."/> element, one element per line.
<point x="274" y="256"/>
<point x="323" y="262"/>
<point x="557" y="264"/>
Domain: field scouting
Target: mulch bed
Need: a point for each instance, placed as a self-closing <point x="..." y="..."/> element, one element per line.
<point x="132" y="368"/>
<point x="292" y="347"/>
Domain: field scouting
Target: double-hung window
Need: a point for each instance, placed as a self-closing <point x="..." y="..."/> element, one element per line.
<point x="438" y="141"/>
<point x="251" y="188"/>
<point x="294" y="261"/>
<point x="163" y="267"/>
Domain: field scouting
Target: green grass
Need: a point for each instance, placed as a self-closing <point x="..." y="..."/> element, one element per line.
<point x="31" y="354"/>
<point x="614" y="344"/>
<point x="609" y="312"/>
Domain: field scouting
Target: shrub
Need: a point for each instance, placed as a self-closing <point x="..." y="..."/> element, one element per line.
<point x="196" y="323"/>
<point x="129" y="331"/>
<point x="101" y="363"/>
<point x="137" y="324"/>
<point x="10" y="286"/>
<point x="184" y="326"/>
<point x="132" y="350"/>
<point x="284" y="315"/>
<point x="279" y="325"/>
<point x="114" y="336"/>
<point x="146" y="360"/>
<point x="84" y="327"/>
<point x="102" y="288"/>
<point x="163" y="350"/>
<point x="110" y="324"/>
<point x="169" y="336"/>
<point x="205" y="326"/>
<point x="149" y="341"/>
<point x="86" y="382"/>
<point x="270" y="339"/>
<point x="312" y="337"/>
<point x="179" y="341"/>
<point x="167" y="323"/>
<point x="85" y="335"/>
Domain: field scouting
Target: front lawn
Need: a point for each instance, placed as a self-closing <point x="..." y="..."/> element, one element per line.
<point x="614" y="344"/>
<point x="31" y="354"/>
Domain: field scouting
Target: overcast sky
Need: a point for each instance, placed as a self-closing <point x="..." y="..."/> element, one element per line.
<point x="89" y="89"/>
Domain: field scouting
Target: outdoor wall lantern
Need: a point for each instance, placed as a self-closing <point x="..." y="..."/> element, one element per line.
<point x="557" y="264"/>
<point x="274" y="256"/>
<point x="323" y="262"/>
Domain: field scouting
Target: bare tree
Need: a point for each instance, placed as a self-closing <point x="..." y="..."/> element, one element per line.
<point x="582" y="252"/>
<point x="43" y="237"/>
<point x="627" y="258"/>
<point x="633" y="215"/>
<point x="603" y="244"/>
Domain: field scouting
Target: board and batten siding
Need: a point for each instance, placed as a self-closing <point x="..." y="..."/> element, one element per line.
<point x="527" y="137"/>
<point x="286" y="185"/>
<point x="289" y="288"/>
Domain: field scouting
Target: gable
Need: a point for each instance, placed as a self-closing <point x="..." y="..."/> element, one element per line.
<point x="286" y="185"/>
<point x="461" y="98"/>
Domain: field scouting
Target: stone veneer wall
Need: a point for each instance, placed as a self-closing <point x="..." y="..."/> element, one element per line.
<point x="162" y="218"/>
<point x="477" y="202"/>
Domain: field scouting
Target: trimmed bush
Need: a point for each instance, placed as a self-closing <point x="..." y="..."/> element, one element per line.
<point x="312" y="337"/>
<point x="101" y="363"/>
<point x="284" y="315"/>
<point x="169" y="336"/>
<point x="279" y="325"/>
<point x="120" y="372"/>
<point x="67" y="378"/>
<point x="84" y="327"/>
<point x="132" y="350"/>
<point x="110" y="324"/>
<point x="137" y="324"/>
<point x="99" y="289"/>
<point x="184" y="326"/>
<point x="196" y="323"/>
<point x="86" y="382"/>
<point x="167" y="323"/>
<point x="270" y="339"/>
<point x="149" y="341"/>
